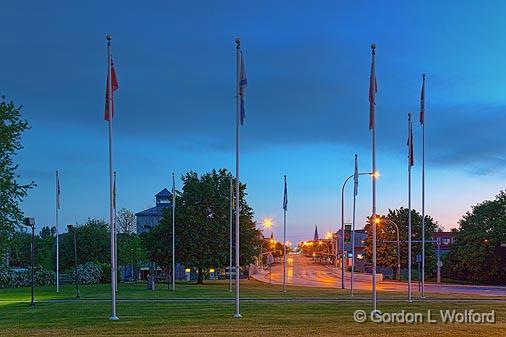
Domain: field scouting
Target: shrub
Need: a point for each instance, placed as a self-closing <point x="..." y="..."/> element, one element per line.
<point x="88" y="273"/>
<point x="10" y="278"/>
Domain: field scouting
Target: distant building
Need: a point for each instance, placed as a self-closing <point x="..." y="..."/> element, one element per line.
<point x="444" y="239"/>
<point x="151" y="217"/>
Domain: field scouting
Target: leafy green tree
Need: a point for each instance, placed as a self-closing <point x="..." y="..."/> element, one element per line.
<point x="386" y="252"/>
<point x="202" y="225"/>
<point x="12" y="192"/>
<point x="479" y="253"/>
<point x="20" y="246"/>
<point x="46" y="248"/>
<point x="93" y="244"/>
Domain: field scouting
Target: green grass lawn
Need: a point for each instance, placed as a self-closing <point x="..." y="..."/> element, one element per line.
<point x="162" y="317"/>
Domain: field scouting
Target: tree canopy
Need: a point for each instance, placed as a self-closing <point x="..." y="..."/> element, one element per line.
<point x="202" y="225"/>
<point x="479" y="251"/>
<point x="12" y="192"/>
<point x="386" y="252"/>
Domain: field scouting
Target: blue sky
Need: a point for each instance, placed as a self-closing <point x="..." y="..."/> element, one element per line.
<point x="307" y="109"/>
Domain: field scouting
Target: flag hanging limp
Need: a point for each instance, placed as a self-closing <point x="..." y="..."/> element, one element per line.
<point x="285" y="198"/>
<point x="243" y="82"/>
<point x="422" y="101"/>
<point x="355" y="177"/>
<point x="108" y="115"/>
<point x="373" y="89"/>
<point x="410" y="143"/>
<point x="57" y="190"/>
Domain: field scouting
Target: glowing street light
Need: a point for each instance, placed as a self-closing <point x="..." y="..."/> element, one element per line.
<point x="267" y="223"/>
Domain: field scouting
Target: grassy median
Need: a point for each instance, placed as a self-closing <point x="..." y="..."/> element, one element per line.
<point x="147" y="313"/>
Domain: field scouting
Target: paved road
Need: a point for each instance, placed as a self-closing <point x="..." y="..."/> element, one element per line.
<point x="301" y="271"/>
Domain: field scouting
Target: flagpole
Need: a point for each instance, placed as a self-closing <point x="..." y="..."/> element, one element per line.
<point x="237" y="179"/>
<point x="57" y="234"/>
<point x="410" y="139"/>
<point x="373" y="52"/>
<point x="115" y="231"/>
<point x="353" y="227"/>
<point x="111" y="212"/>
<point x="423" y="191"/>
<point x="231" y="214"/>
<point x="173" y="232"/>
<point x="284" y="240"/>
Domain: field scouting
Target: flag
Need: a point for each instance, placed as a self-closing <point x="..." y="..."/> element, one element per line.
<point x="410" y="143"/>
<point x="285" y="198"/>
<point x="114" y="87"/>
<point x="355" y="177"/>
<point x="173" y="187"/>
<point x="114" y="192"/>
<point x="243" y="82"/>
<point x="373" y="89"/>
<point x="57" y="191"/>
<point x="422" y="101"/>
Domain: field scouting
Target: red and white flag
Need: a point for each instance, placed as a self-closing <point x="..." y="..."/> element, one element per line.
<point x="108" y="115"/>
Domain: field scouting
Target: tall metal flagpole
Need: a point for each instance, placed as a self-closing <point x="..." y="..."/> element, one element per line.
<point x="410" y="139"/>
<point x="373" y="113"/>
<point x="111" y="211"/>
<point x="355" y="192"/>
<point x="285" y="204"/>
<point x="173" y="232"/>
<point x="422" y="121"/>
<point x="231" y="198"/>
<point x="237" y="179"/>
<point x="115" y="231"/>
<point x="57" y="233"/>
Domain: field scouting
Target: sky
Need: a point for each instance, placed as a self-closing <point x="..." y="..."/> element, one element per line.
<point x="308" y="67"/>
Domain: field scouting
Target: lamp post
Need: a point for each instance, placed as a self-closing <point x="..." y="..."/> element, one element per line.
<point x="73" y="233"/>
<point x="30" y="222"/>
<point x="342" y="224"/>
<point x="378" y="220"/>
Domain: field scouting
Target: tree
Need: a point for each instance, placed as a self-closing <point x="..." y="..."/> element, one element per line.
<point x="130" y="250"/>
<point x="386" y="252"/>
<point x="20" y="248"/>
<point x="126" y="222"/>
<point x="202" y="225"/>
<point x="12" y="192"/>
<point x="479" y="253"/>
<point x="93" y="244"/>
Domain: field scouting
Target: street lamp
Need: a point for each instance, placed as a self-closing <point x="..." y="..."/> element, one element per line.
<point x="73" y="232"/>
<point x="30" y="222"/>
<point x="375" y="175"/>
<point x="377" y="220"/>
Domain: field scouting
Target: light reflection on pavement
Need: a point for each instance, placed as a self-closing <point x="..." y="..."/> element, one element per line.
<point x="301" y="271"/>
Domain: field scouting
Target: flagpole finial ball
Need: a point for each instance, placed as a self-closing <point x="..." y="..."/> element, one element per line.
<point x="423" y="76"/>
<point x="108" y="37"/>
<point x="238" y="41"/>
<point x="373" y="46"/>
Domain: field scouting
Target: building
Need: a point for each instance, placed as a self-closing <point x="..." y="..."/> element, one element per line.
<point x="151" y="217"/>
<point x="444" y="240"/>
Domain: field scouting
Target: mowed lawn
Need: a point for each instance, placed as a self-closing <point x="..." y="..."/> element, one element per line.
<point x="163" y="313"/>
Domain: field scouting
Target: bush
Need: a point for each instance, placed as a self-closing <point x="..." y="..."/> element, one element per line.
<point x="106" y="273"/>
<point x="88" y="273"/>
<point x="10" y="278"/>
